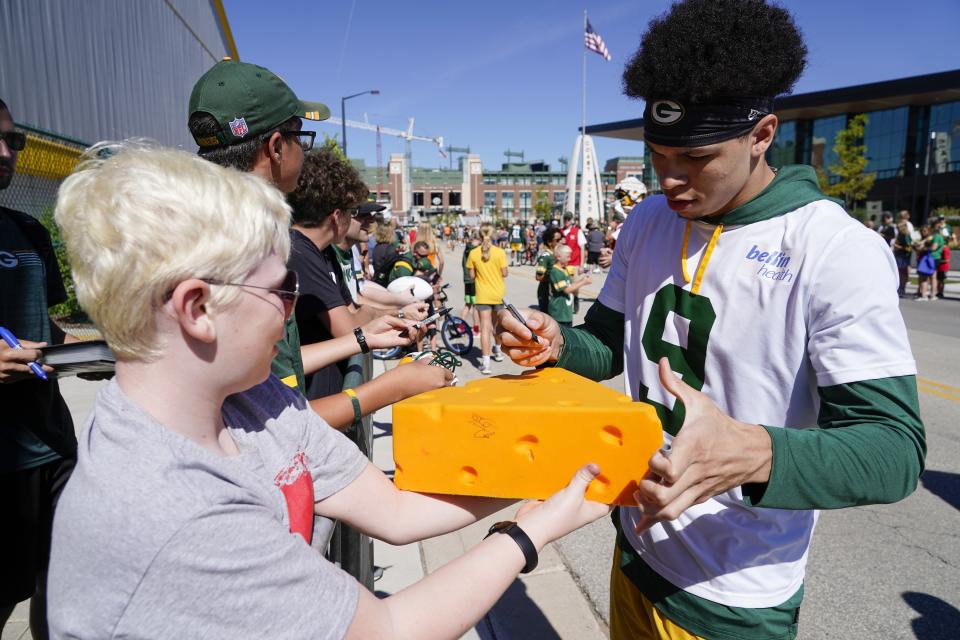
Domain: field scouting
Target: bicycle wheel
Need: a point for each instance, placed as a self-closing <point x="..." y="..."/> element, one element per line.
<point x="386" y="354"/>
<point x="457" y="335"/>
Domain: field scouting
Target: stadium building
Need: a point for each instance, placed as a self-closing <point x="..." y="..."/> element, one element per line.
<point x="512" y="192"/>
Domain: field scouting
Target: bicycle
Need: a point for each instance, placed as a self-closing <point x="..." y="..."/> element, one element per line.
<point x="456" y="334"/>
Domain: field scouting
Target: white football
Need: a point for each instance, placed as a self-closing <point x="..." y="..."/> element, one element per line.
<point x="418" y="287"/>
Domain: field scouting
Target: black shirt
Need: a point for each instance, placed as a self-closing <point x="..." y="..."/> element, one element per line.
<point x="321" y="289"/>
<point x="35" y="424"/>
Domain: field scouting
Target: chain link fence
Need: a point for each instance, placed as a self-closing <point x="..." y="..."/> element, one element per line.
<point x="47" y="159"/>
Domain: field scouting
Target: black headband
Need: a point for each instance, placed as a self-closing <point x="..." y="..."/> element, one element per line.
<point x="673" y="123"/>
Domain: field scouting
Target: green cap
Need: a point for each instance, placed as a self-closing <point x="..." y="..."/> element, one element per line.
<point x="247" y="100"/>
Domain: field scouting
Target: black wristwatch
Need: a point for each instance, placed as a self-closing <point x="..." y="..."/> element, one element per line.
<point x="361" y="340"/>
<point x="523" y="541"/>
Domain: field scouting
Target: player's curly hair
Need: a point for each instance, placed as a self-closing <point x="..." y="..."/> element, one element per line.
<point x="326" y="183"/>
<point x="702" y="49"/>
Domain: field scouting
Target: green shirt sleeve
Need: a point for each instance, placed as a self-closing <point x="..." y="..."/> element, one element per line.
<point x="869" y="449"/>
<point x="594" y="349"/>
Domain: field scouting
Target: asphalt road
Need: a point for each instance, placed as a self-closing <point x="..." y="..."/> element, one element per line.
<point x="885" y="571"/>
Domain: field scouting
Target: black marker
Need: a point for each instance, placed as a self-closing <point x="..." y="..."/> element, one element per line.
<point x="516" y="314"/>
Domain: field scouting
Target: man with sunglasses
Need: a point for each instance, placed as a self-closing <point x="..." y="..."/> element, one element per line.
<point x="37" y="443"/>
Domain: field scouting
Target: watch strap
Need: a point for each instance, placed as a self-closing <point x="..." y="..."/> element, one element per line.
<point x="523" y="541"/>
<point x="361" y="340"/>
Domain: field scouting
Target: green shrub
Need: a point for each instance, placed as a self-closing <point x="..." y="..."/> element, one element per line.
<point x="70" y="310"/>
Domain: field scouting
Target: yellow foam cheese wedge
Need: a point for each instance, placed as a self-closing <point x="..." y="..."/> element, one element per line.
<point x="523" y="436"/>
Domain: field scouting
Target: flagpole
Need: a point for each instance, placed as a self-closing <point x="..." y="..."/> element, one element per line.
<point x="583" y="121"/>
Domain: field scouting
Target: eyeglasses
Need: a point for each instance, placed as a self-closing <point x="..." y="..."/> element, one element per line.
<point x="288" y="291"/>
<point x="305" y="138"/>
<point x="16" y="140"/>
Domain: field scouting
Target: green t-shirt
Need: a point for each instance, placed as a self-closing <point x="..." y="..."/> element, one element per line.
<point x="466" y="254"/>
<point x="561" y="303"/>
<point x="937" y="246"/>
<point x="288" y="363"/>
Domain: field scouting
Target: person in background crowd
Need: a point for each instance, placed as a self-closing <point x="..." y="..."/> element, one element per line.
<point x="328" y="195"/>
<point x="469" y="312"/>
<point x="902" y="252"/>
<point x="552" y="236"/>
<point x="37" y="443"/>
<point x="563" y="288"/>
<point x="937" y="245"/>
<point x="926" y="265"/>
<point x="191" y="509"/>
<point x="904" y="216"/>
<point x="596" y="242"/>
<point x="488" y="268"/>
<point x="887" y="230"/>
<point x="573" y="237"/>
<point x="516" y="243"/>
<point x="426" y="233"/>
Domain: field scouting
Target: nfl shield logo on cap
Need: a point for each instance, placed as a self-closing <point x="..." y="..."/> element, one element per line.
<point x="238" y="127"/>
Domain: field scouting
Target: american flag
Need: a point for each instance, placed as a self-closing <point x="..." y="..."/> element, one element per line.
<point x="594" y="42"/>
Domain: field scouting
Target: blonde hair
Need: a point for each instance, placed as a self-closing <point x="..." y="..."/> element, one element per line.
<point x="562" y="251"/>
<point x="486" y="240"/>
<point x="385" y="232"/>
<point x="426" y="234"/>
<point x="139" y="219"/>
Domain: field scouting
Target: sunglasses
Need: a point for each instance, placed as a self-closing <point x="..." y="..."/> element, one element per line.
<point x="288" y="291"/>
<point x="305" y="138"/>
<point x="15" y="140"/>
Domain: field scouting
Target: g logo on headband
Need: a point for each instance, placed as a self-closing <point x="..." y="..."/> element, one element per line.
<point x="666" y="111"/>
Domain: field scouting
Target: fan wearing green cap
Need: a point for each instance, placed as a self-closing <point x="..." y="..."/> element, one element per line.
<point x="762" y="324"/>
<point x="245" y="116"/>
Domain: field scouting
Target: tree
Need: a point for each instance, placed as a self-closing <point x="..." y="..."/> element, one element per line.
<point x="854" y="182"/>
<point x="331" y="143"/>
<point x="542" y="206"/>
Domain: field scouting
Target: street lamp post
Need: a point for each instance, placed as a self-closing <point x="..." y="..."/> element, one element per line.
<point x="343" y="114"/>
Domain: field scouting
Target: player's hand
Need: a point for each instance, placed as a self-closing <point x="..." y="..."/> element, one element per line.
<point x="606" y="258"/>
<point x="564" y="511"/>
<point x="15" y="363"/>
<point x="388" y="331"/>
<point x="711" y="454"/>
<point x="516" y="340"/>
<point x="415" y="311"/>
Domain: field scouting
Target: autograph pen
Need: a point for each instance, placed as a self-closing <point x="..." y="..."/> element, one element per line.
<point x="516" y="314"/>
<point x="13" y="343"/>
<point x="440" y="313"/>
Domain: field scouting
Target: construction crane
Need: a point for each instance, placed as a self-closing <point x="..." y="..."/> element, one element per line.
<point x="451" y="150"/>
<point x="407" y="135"/>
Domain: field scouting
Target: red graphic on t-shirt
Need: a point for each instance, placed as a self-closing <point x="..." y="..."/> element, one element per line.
<point x="296" y="483"/>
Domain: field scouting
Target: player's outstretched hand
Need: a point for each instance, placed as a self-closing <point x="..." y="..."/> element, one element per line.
<point x="388" y="331"/>
<point x="711" y="454"/>
<point x="518" y="343"/>
<point x="564" y="511"/>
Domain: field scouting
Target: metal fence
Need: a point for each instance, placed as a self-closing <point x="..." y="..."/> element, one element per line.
<point x="47" y="159"/>
<point x="349" y="548"/>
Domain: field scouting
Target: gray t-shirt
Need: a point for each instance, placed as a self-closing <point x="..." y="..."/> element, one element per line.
<point x="156" y="537"/>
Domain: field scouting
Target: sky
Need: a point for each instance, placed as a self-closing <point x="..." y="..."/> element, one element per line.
<point x="501" y="75"/>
